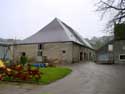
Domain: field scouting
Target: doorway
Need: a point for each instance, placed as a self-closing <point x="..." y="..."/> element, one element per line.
<point x="81" y="56"/>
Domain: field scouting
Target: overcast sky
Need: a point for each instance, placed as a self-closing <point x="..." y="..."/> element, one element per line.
<point x="21" y="18"/>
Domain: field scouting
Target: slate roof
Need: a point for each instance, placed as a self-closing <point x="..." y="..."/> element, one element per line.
<point x="56" y="31"/>
<point x="4" y="44"/>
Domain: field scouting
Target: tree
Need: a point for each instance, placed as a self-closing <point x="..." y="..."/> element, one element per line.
<point x="114" y="8"/>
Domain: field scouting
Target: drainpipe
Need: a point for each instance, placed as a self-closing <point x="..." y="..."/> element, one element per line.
<point x="72" y="52"/>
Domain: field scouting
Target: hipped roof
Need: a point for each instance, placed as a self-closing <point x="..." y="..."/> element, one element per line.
<point x="56" y="31"/>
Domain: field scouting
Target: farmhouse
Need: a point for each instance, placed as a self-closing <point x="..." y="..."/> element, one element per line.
<point x="58" y="41"/>
<point x="113" y="51"/>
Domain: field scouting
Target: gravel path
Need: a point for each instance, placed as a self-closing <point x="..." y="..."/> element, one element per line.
<point x="86" y="78"/>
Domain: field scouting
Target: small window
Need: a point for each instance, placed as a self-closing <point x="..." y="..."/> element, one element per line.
<point x="122" y="57"/>
<point x="110" y="47"/>
<point x="39" y="53"/>
<point x="40" y="46"/>
<point x="64" y="51"/>
<point x="23" y="54"/>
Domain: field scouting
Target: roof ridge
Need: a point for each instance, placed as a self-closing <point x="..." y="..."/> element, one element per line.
<point x="74" y="33"/>
<point x="64" y="28"/>
<point x="68" y="29"/>
<point x="78" y="37"/>
<point x="65" y="33"/>
<point x="56" y="19"/>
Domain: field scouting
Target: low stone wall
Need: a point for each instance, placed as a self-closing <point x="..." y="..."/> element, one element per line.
<point x="65" y="52"/>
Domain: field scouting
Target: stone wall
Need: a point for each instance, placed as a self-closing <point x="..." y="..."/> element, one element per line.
<point x="30" y="50"/>
<point x="80" y="50"/>
<point x="119" y="48"/>
<point x="61" y="51"/>
<point x="66" y="52"/>
<point x="76" y="53"/>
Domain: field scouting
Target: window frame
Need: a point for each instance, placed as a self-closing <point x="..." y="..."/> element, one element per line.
<point x="110" y="48"/>
<point x="64" y="51"/>
<point x="120" y="58"/>
<point x="39" y="53"/>
<point x="40" y="46"/>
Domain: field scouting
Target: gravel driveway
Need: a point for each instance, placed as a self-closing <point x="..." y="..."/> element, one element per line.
<point x="86" y="78"/>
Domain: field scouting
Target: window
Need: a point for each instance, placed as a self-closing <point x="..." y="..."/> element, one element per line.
<point x="122" y="57"/>
<point x="40" y="46"/>
<point x="23" y="54"/>
<point x="63" y="51"/>
<point x="110" y="47"/>
<point x="39" y="53"/>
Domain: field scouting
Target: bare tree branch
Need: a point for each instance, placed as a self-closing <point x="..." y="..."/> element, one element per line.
<point x="114" y="8"/>
<point x="111" y="6"/>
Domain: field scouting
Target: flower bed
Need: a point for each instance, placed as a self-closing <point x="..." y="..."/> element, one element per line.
<point x="29" y="74"/>
<point x="20" y="73"/>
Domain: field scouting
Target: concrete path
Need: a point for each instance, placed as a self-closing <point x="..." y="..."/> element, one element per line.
<point x="86" y="78"/>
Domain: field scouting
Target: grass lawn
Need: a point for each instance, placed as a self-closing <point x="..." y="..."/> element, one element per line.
<point x="52" y="74"/>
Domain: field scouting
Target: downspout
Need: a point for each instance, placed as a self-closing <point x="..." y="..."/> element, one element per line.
<point x="72" y="52"/>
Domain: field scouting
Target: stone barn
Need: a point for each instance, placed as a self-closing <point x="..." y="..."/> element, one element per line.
<point x="57" y="41"/>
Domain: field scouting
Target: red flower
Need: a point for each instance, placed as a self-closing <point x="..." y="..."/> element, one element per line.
<point x="1" y="77"/>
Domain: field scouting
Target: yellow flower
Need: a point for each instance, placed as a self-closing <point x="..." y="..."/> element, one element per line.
<point x="1" y="64"/>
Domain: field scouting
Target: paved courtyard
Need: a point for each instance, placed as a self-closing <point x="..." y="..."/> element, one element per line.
<point x="86" y="78"/>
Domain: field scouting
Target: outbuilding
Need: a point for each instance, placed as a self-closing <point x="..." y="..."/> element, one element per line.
<point x="56" y="41"/>
<point x="4" y="51"/>
<point x="113" y="51"/>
